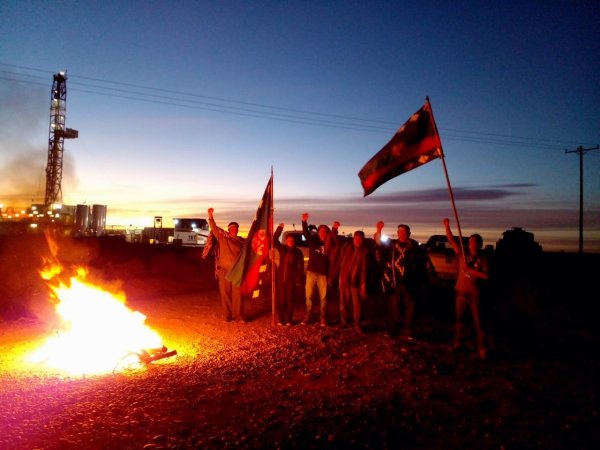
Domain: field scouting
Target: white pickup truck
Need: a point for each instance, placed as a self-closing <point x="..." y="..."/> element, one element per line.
<point x="191" y="232"/>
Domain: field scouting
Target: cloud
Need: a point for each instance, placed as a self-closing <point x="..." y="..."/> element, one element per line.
<point x="419" y="201"/>
<point x="460" y="193"/>
<point x="480" y="210"/>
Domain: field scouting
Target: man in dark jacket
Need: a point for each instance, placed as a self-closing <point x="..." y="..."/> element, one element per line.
<point x="353" y="279"/>
<point x="406" y="270"/>
<point x="321" y="246"/>
<point x="289" y="275"/>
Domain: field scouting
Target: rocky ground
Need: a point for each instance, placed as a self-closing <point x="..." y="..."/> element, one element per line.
<point x="258" y="385"/>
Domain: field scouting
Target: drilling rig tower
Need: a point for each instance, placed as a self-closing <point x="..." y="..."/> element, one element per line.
<point x="57" y="134"/>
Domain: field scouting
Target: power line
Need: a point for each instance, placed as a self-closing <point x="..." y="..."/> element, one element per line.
<point x="188" y="94"/>
<point x="194" y="104"/>
<point x="188" y="100"/>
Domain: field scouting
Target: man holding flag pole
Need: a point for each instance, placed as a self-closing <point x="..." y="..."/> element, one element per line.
<point x="248" y="269"/>
<point x="416" y="142"/>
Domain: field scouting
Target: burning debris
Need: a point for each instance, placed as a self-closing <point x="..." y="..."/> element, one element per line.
<point x="97" y="332"/>
<point x="154" y="354"/>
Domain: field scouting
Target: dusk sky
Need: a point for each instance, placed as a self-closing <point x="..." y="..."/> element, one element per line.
<point x="186" y="105"/>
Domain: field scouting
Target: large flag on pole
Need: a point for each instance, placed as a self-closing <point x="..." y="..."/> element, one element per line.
<point x="251" y="264"/>
<point x="416" y="143"/>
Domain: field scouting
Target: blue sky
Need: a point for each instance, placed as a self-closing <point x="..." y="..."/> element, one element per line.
<point x="181" y="106"/>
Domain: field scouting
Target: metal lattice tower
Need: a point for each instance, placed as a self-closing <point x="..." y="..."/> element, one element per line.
<point x="57" y="134"/>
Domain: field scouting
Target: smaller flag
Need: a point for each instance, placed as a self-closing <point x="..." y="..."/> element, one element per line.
<point x="416" y="143"/>
<point x="248" y="269"/>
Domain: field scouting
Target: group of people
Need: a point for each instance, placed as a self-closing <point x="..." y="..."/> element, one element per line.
<point x="346" y="267"/>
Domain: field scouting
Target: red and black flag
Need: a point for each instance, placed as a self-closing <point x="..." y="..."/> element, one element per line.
<point x="416" y="143"/>
<point x="251" y="264"/>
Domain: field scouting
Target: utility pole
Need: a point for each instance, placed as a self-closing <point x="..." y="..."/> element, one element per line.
<point x="581" y="151"/>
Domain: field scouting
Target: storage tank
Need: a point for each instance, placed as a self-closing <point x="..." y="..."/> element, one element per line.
<point x="82" y="219"/>
<point x="98" y="220"/>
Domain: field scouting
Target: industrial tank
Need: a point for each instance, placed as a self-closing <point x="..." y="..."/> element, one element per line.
<point x="82" y="220"/>
<point x="98" y="220"/>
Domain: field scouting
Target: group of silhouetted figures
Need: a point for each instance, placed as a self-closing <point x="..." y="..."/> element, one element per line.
<point x="352" y="268"/>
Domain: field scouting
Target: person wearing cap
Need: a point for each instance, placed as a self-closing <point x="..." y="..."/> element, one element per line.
<point x="321" y="247"/>
<point x="406" y="269"/>
<point x="230" y="245"/>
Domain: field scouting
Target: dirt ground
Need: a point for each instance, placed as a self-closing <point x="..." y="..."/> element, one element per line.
<point x="258" y="385"/>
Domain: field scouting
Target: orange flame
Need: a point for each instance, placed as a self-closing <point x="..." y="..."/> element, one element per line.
<point x="99" y="333"/>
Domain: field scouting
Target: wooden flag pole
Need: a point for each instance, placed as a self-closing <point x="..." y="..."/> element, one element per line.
<point x="271" y="250"/>
<point x="441" y="154"/>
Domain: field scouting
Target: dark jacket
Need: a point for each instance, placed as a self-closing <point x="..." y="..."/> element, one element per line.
<point x="353" y="266"/>
<point x="319" y="251"/>
<point x="291" y="261"/>
<point x="406" y="265"/>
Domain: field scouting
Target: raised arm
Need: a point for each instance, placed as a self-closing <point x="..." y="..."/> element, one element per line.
<point x="277" y="235"/>
<point x="333" y="236"/>
<point x="213" y="225"/>
<point x="450" y="237"/>
<point x="377" y="236"/>
<point x="211" y="219"/>
<point x="278" y="232"/>
<point x="305" y="231"/>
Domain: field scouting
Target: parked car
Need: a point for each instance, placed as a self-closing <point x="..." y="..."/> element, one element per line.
<point x="443" y="257"/>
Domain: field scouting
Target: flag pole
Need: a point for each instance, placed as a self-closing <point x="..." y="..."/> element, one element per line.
<point x="271" y="250"/>
<point x="441" y="154"/>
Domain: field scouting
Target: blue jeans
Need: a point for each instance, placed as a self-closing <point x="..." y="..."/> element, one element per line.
<point x="316" y="283"/>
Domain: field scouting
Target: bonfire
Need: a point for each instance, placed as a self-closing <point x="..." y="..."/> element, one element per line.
<point x="97" y="332"/>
